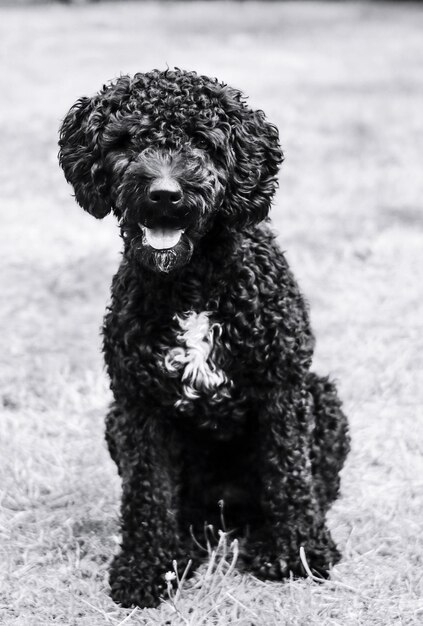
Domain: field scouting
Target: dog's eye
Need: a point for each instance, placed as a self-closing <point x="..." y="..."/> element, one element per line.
<point x="116" y="141"/>
<point x="122" y="142"/>
<point x="201" y="143"/>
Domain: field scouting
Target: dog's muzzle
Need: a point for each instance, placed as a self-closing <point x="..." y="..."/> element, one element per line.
<point x="164" y="215"/>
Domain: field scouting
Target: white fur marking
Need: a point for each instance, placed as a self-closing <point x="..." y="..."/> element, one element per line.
<point x="193" y="355"/>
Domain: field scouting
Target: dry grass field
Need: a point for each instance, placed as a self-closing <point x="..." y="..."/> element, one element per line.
<point x="344" y="84"/>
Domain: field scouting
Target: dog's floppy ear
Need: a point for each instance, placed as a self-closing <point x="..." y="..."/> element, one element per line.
<point x="256" y="158"/>
<point x="80" y="156"/>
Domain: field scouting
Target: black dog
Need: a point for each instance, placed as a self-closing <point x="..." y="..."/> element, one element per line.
<point x="207" y="339"/>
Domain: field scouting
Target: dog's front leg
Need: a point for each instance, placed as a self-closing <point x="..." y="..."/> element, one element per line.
<point x="149" y="525"/>
<point x="293" y="517"/>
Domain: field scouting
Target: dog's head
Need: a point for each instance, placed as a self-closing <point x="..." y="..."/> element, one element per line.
<point x="170" y="153"/>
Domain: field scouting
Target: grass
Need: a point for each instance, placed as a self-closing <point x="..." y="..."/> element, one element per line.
<point x="343" y="83"/>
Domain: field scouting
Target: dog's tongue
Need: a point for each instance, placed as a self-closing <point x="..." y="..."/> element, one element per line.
<point x="162" y="238"/>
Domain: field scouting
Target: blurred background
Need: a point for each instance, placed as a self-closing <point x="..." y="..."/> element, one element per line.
<point x="343" y="82"/>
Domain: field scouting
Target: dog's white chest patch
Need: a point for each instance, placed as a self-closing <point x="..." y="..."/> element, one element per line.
<point x="193" y="358"/>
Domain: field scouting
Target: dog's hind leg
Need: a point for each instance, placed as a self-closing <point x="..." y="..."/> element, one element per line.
<point x="111" y="435"/>
<point x="330" y="441"/>
<point x="293" y="516"/>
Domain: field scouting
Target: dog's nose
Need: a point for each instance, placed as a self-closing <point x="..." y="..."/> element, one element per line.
<point x="165" y="192"/>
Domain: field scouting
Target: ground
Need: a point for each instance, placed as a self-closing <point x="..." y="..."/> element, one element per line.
<point x="343" y="83"/>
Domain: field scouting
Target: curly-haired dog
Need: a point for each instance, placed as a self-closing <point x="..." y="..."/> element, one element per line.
<point x="207" y="339"/>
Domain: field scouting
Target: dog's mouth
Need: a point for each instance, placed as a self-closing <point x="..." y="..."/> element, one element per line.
<point x="162" y="248"/>
<point x="161" y="238"/>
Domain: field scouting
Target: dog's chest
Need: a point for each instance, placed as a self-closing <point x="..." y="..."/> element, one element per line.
<point x="193" y="356"/>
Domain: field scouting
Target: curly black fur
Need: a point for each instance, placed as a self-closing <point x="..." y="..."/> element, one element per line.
<point x="207" y="339"/>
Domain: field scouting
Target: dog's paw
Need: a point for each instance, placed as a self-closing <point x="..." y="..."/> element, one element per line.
<point x="133" y="583"/>
<point x="269" y="567"/>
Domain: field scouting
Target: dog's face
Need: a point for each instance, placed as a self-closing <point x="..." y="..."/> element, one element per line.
<point x="170" y="153"/>
<point x="166" y="196"/>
